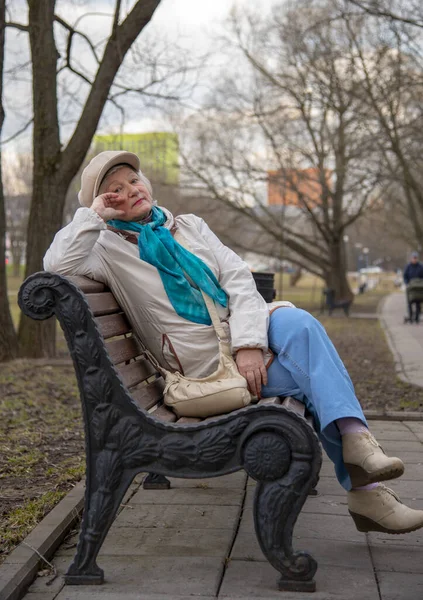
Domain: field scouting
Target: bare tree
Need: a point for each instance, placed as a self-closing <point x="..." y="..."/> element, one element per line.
<point x="409" y="12"/>
<point x="57" y="162"/>
<point x="17" y="184"/>
<point x="8" y="338"/>
<point x="300" y="114"/>
<point x="390" y="60"/>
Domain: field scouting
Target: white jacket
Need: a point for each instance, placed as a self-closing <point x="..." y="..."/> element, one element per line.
<point x="87" y="247"/>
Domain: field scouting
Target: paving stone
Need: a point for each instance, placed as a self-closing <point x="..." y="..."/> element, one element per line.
<point x="394" y="447"/>
<point x="199" y="516"/>
<point x="339" y="553"/>
<point x="84" y="593"/>
<point x="41" y="596"/>
<point x="249" y="579"/>
<point x="167" y="542"/>
<point x="393" y="557"/>
<point x="407" y="488"/>
<point x="417" y="429"/>
<point x="328" y="504"/>
<point x="330" y="486"/>
<point x="377" y="425"/>
<point x="329" y="527"/>
<point x="137" y="579"/>
<point x="233" y="480"/>
<point x="414" y="538"/>
<point x="413" y="472"/>
<point x="327" y="470"/>
<point x="392" y="435"/>
<point x="171" y="577"/>
<point x="410" y="457"/>
<point x="134" y="487"/>
<point x="326" y="485"/>
<point x="400" y="586"/>
<point x="186" y="496"/>
<point x="47" y="585"/>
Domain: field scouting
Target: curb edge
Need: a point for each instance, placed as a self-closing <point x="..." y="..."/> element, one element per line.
<point x="20" y="567"/>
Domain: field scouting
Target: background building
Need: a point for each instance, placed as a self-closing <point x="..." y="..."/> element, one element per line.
<point x="287" y="186"/>
<point x="158" y="152"/>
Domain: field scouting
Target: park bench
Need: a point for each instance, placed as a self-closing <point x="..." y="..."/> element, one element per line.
<point x="331" y="303"/>
<point x="128" y="430"/>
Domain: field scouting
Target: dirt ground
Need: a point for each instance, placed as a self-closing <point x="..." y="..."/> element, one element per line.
<point x="41" y="430"/>
<point x="362" y="346"/>
<point x="41" y="444"/>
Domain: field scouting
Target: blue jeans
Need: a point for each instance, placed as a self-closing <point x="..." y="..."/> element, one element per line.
<point x="307" y="367"/>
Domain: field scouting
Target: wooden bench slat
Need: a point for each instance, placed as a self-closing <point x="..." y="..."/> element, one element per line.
<point x="188" y="420"/>
<point x="103" y="304"/>
<point x="136" y="372"/>
<point x="272" y="400"/>
<point x="164" y="414"/>
<point x="147" y="396"/>
<point x="111" y="325"/>
<point x="294" y="405"/>
<point x="122" y="350"/>
<point x="88" y="286"/>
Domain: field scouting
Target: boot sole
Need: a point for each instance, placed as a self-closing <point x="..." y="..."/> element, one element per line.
<point x="364" y="525"/>
<point x="360" y="477"/>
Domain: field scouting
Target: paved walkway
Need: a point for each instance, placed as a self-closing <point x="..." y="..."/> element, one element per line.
<point x="406" y="340"/>
<point x="197" y="539"/>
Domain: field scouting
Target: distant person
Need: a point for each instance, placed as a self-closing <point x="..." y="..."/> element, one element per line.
<point x="414" y="270"/>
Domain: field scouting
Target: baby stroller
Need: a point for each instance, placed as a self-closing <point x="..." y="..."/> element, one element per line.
<point x="414" y="294"/>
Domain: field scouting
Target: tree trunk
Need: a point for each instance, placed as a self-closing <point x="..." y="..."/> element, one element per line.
<point x="37" y="338"/>
<point x="8" y="338"/>
<point x="336" y="278"/>
<point x="16" y="265"/>
<point x="295" y="276"/>
<point x="55" y="167"/>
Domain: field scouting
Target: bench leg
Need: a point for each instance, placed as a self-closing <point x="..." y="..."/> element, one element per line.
<point x="102" y="501"/>
<point x="276" y="509"/>
<point x="154" y="481"/>
<point x="285" y="461"/>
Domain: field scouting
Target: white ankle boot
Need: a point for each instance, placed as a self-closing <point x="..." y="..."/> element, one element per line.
<point x="380" y="509"/>
<point x="366" y="461"/>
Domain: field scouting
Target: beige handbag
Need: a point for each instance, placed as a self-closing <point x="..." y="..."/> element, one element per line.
<point x="220" y="392"/>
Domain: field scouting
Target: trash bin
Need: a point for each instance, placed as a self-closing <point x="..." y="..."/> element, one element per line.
<point x="265" y="283"/>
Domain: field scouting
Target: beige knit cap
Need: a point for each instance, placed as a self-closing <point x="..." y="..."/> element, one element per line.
<point x="94" y="173"/>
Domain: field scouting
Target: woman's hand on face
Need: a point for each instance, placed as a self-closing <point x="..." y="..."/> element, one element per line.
<point x="107" y="206"/>
<point x="250" y="364"/>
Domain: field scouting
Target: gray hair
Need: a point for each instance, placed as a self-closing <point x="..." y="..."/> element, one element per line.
<point x="116" y="168"/>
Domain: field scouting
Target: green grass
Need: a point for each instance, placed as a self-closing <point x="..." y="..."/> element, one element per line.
<point x="307" y="293"/>
<point x="41" y="444"/>
<point x="22" y="520"/>
<point x="13" y="285"/>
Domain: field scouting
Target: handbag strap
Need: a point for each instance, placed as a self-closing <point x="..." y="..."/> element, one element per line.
<point x="209" y="302"/>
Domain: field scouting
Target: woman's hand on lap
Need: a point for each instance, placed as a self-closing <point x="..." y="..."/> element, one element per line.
<point x="251" y="365"/>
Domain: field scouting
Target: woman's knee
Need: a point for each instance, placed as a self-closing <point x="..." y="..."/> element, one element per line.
<point x="296" y="318"/>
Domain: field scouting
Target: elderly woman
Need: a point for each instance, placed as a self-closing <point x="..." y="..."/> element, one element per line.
<point x="122" y="238"/>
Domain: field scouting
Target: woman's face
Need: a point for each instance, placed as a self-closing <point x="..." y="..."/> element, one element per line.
<point x="133" y="196"/>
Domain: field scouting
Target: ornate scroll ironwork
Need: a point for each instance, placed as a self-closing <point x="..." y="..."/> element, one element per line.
<point x="274" y="445"/>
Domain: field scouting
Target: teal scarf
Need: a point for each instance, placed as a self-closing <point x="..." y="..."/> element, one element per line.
<point x="157" y="247"/>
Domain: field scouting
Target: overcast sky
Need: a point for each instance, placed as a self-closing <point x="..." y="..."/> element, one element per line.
<point x="191" y="24"/>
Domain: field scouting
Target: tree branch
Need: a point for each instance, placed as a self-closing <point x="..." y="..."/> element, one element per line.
<point x="19" y="26"/>
<point x="115" y="49"/>
<point x="17" y="133"/>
